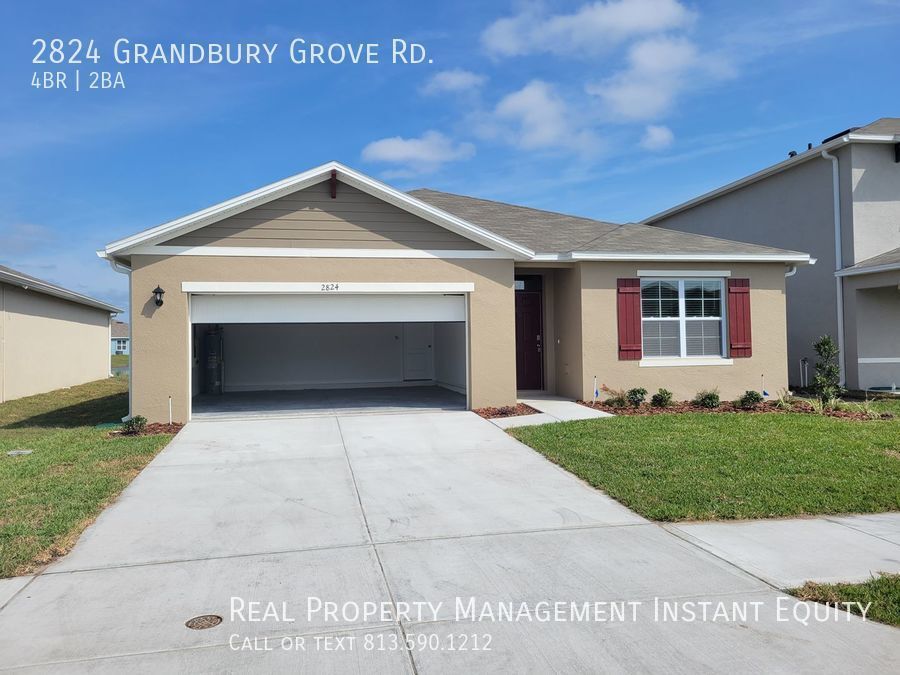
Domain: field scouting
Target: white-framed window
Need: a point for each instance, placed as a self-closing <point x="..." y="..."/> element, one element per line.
<point x="121" y="345"/>
<point x="683" y="318"/>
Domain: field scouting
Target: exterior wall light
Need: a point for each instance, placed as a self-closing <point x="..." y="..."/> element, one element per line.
<point x="158" y="293"/>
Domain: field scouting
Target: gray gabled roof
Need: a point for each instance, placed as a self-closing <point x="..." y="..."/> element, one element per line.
<point x="548" y="232"/>
<point x="28" y="282"/>
<point x="879" y="263"/>
<point x="886" y="126"/>
<point x="118" y="329"/>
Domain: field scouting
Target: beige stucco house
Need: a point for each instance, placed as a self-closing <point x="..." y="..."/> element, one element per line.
<point x="840" y="201"/>
<point x="332" y="280"/>
<point x="50" y="337"/>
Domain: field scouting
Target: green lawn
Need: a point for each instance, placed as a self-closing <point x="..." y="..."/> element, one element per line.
<point x="48" y="497"/>
<point x="883" y="592"/>
<point x="705" y="467"/>
<point x="118" y="360"/>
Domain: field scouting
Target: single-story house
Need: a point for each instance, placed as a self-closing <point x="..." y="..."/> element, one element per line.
<point x="119" y="338"/>
<point x="331" y="279"/>
<point x="50" y="337"/>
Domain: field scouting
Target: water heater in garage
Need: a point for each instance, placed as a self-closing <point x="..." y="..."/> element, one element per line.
<point x="213" y="361"/>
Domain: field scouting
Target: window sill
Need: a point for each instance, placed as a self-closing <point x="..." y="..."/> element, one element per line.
<point x="684" y="362"/>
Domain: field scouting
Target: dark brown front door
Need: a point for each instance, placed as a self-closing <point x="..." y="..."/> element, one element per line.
<point x="529" y="333"/>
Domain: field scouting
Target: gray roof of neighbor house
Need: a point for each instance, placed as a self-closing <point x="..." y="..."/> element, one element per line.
<point x="884" y="130"/>
<point x="886" y="126"/>
<point x="879" y="263"/>
<point x="119" y="329"/>
<point x="554" y="233"/>
<point x="28" y="282"/>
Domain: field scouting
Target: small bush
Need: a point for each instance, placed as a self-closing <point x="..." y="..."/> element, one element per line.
<point x="661" y="399"/>
<point x="827" y="380"/>
<point x="867" y="409"/>
<point x="708" y="398"/>
<point x="636" y="396"/>
<point x="784" y="401"/>
<point x="134" y="426"/>
<point x="617" y="398"/>
<point x="817" y="406"/>
<point x="750" y="399"/>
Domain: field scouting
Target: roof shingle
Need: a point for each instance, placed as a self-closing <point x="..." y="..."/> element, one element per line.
<point x="549" y="232"/>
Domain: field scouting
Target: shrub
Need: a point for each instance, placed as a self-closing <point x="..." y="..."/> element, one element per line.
<point x="750" y="399"/>
<point x="827" y="381"/>
<point x="784" y="401"/>
<point x="134" y="426"/>
<point x="708" y="398"/>
<point x="867" y="409"/>
<point x="661" y="399"/>
<point x="617" y="398"/>
<point x="636" y="396"/>
<point x="817" y="406"/>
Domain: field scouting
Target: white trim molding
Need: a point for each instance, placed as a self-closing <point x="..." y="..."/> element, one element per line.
<point x="327" y="287"/>
<point x="878" y="359"/>
<point x="684" y="273"/>
<point x="684" y="362"/>
<point x="852" y="272"/>
<point x="344" y="174"/>
<point x="269" y="252"/>
<point x="696" y="257"/>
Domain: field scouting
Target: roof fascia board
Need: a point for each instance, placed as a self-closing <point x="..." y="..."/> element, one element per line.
<point x="857" y="271"/>
<point x="281" y="188"/>
<point x="431" y="213"/>
<point x="48" y="289"/>
<point x="696" y="257"/>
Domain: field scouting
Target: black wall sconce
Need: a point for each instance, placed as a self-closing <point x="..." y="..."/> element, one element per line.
<point x="158" y="292"/>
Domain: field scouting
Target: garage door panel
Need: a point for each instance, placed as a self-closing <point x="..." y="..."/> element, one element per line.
<point x="326" y="308"/>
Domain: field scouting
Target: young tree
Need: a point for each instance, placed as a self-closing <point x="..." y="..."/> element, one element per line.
<point x="827" y="382"/>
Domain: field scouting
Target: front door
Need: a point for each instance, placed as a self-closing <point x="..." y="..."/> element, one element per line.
<point x="529" y="333"/>
<point x="418" y="356"/>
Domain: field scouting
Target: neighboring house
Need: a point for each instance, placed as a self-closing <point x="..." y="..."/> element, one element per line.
<point x="119" y="338"/>
<point x="50" y="337"/>
<point x="331" y="279"/>
<point x="840" y="201"/>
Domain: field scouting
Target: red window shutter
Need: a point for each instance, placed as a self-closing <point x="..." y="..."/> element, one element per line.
<point x="739" y="341"/>
<point x="628" y="297"/>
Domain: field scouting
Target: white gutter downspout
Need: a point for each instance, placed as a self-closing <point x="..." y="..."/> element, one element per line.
<point x="838" y="259"/>
<point x="122" y="269"/>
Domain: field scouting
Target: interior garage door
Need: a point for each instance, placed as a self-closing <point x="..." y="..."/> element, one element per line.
<point x="298" y="342"/>
<point x="326" y="308"/>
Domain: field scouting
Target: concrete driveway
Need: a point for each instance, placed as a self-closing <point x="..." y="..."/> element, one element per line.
<point x="381" y="512"/>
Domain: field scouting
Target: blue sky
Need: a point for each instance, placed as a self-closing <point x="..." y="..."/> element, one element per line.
<point x="614" y="110"/>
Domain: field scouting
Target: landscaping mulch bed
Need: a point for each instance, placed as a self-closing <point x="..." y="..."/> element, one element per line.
<point x="678" y="407"/>
<point x="153" y="429"/>
<point x="506" y="411"/>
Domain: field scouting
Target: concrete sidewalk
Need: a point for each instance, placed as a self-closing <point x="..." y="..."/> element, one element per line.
<point x="552" y="409"/>
<point x="786" y="553"/>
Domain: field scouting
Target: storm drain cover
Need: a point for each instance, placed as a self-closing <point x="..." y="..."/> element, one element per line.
<point x="19" y="453"/>
<point x="203" y="622"/>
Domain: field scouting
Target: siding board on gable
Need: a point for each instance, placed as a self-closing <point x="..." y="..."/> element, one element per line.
<point x="311" y="219"/>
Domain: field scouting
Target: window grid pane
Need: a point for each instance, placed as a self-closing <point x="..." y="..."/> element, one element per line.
<point x="664" y="324"/>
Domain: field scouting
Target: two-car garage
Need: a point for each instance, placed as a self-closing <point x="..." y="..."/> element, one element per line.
<point x="283" y="347"/>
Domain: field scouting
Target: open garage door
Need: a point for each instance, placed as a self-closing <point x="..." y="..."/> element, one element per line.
<point x="315" y="352"/>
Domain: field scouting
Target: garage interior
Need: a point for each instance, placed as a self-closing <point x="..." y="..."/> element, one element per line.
<point x="286" y="368"/>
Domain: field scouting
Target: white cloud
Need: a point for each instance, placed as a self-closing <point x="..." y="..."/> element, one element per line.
<point x="592" y="28"/>
<point x="657" y="138"/>
<point x="424" y="154"/>
<point x="659" y="69"/>
<point x="536" y="117"/>
<point x="453" y="81"/>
